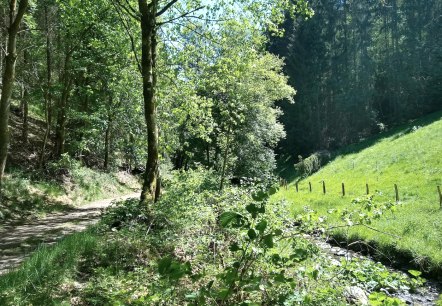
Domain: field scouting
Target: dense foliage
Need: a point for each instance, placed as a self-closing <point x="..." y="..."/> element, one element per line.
<point x="200" y="247"/>
<point x="205" y="91"/>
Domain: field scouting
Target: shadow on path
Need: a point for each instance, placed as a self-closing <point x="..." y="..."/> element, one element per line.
<point x="18" y="241"/>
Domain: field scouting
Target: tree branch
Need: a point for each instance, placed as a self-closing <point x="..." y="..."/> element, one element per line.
<point x="23" y="5"/>
<point x="132" y="41"/>
<point x="166" y="7"/>
<point x="128" y="9"/>
<point x="187" y="14"/>
<point x="198" y="33"/>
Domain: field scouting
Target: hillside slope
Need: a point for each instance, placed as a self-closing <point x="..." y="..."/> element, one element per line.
<point x="57" y="186"/>
<point x="409" y="156"/>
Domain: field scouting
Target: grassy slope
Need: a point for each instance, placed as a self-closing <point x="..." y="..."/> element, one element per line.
<point x="30" y="191"/>
<point x="410" y="159"/>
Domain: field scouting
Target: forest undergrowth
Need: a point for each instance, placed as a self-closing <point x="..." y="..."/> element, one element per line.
<point x="199" y="246"/>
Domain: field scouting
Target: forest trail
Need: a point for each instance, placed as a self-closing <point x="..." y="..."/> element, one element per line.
<point x="18" y="241"/>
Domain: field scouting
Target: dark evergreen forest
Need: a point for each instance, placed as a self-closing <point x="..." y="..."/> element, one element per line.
<point x="359" y="67"/>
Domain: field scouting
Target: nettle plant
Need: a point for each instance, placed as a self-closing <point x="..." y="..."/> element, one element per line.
<point x="259" y="266"/>
<point x="263" y="259"/>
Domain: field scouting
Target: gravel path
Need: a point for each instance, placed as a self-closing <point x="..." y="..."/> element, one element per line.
<point x="18" y="241"/>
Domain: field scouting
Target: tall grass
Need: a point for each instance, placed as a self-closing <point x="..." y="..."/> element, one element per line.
<point x="40" y="275"/>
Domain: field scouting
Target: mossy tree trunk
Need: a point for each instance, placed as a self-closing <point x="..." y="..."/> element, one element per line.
<point x="148" y="13"/>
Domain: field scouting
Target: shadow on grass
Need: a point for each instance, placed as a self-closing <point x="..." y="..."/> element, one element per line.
<point x="286" y="163"/>
<point x="395" y="133"/>
<point x="389" y="255"/>
<point x="20" y="202"/>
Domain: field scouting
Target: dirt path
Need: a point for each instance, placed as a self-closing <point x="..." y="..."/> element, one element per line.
<point x="18" y="241"/>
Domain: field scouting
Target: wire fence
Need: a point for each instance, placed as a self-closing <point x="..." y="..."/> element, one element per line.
<point x="284" y="184"/>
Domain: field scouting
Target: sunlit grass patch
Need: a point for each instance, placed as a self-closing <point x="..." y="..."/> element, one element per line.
<point x="411" y="157"/>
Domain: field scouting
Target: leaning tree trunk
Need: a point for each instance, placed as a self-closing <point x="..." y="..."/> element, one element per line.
<point x="8" y="78"/>
<point x="148" y="13"/>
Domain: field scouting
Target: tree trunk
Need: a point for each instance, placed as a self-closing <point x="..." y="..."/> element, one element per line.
<point x="208" y="155"/>
<point x="107" y="135"/>
<point x="106" y="147"/>
<point x="48" y="94"/>
<point x="25" y="102"/>
<point x="225" y="158"/>
<point x="149" y="48"/>
<point x="8" y="78"/>
<point x="60" y="131"/>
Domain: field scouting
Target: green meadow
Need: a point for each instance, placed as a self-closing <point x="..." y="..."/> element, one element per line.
<point x="409" y="156"/>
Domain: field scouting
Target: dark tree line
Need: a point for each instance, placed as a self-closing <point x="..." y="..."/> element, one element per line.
<point x="359" y="67"/>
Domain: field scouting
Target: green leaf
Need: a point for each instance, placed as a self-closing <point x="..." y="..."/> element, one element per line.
<point x="253" y="210"/>
<point x="173" y="269"/>
<point x="228" y="217"/>
<point x="278" y="232"/>
<point x="415" y="273"/>
<point x="234" y="247"/>
<point x="192" y="296"/>
<point x="268" y="240"/>
<point x="261" y="226"/>
<point x="252" y="234"/>
<point x="223" y="293"/>
<point x="299" y="255"/>
<point x="273" y="190"/>
<point x="280" y="278"/>
<point x="259" y="196"/>
<point x="314" y="274"/>
<point x="164" y="265"/>
<point x="230" y="277"/>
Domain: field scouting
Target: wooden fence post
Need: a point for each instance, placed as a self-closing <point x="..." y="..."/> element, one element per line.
<point x="367" y="189"/>
<point x="343" y="189"/>
<point x="323" y="187"/>
<point x="296" y="186"/>
<point x="397" y="192"/>
<point x="310" y="186"/>
<point x="440" y="196"/>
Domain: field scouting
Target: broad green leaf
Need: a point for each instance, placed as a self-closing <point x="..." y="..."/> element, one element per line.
<point x="268" y="240"/>
<point x="228" y="217"/>
<point x="260" y="196"/>
<point x="415" y="273"/>
<point x="278" y="232"/>
<point x="234" y="247"/>
<point x="261" y="226"/>
<point x="252" y="234"/>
